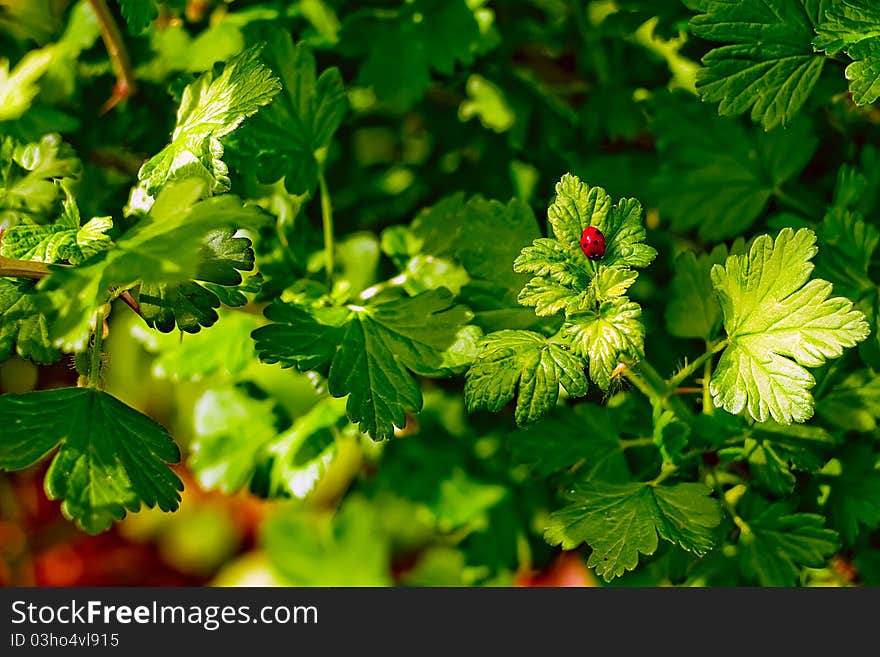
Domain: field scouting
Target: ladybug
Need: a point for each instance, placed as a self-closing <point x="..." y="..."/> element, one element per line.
<point x="593" y="243"/>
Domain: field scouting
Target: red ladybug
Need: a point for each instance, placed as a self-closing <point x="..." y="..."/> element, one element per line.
<point x="593" y="243"/>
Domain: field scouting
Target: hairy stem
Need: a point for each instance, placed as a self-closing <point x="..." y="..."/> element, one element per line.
<point x="11" y="268"/>
<point x="327" y="222"/>
<point x="708" y="406"/>
<point x="690" y="368"/>
<point x="96" y="351"/>
<point x="119" y="59"/>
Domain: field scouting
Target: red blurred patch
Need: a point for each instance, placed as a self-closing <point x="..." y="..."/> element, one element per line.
<point x="567" y="570"/>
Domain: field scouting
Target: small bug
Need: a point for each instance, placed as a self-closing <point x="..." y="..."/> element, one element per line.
<point x="593" y="243"/>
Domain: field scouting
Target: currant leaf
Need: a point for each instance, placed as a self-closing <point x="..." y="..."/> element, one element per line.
<point x="621" y="521"/>
<point x="369" y="350"/>
<point x="775" y="541"/>
<point x="853" y="27"/>
<point x="210" y="109"/>
<point x="111" y="458"/>
<point x="767" y="64"/>
<point x="778" y="322"/>
<point x="286" y="137"/>
<point x="527" y="365"/>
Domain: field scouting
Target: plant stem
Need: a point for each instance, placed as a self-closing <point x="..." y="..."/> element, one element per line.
<point x="118" y="55"/>
<point x="692" y="367"/>
<point x="327" y="222"/>
<point x="708" y="407"/>
<point x="636" y="442"/>
<point x="665" y="472"/>
<point x="12" y="268"/>
<point x="96" y="352"/>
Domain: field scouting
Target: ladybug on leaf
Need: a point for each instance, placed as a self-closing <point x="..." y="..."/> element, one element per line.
<point x="593" y="243"/>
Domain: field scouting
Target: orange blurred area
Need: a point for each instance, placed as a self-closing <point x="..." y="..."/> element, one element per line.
<point x="39" y="547"/>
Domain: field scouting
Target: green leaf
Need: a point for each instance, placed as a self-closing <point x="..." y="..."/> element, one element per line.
<point x="775" y="541"/>
<point x="63" y="240"/>
<point x="768" y="64"/>
<point x="191" y="305"/>
<point x="29" y="174"/>
<point x="568" y="436"/>
<point x="853" y="403"/>
<point x="853" y="27"/>
<point x="848" y="243"/>
<point x="778" y="322"/>
<point x="347" y="548"/>
<point x="22" y="325"/>
<point x="775" y="452"/>
<point x="693" y="310"/>
<point x="606" y="336"/>
<point x="853" y="503"/>
<point x="138" y="14"/>
<point x="165" y="246"/>
<point x="210" y="109"/>
<point x="717" y="175"/>
<point x="111" y="457"/>
<point x="527" y="365"/>
<point x="370" y="351"/>
<point x="404" y="46"/>
<point x="19" y="86"/>
<point x="621" y="521"/>
<point x="287" y="138"/>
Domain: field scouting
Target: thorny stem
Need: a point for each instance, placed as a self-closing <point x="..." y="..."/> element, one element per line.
<point x="327" y="222"/>
<point x="115" y="45"/>
<point x="96" y="352"/>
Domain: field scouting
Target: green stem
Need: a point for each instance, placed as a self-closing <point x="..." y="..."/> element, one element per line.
<point x="636" y="442"/>
<point x="692" y="367"/>
<point x="666" y="471"/>
<point x="327" y="222"/>
<point x="708" y="406"/>
<point x="96" y="352"/>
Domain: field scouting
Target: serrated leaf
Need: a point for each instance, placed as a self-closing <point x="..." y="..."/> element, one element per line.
<point x="853" y="503"/>
<point x="853" y="403"/>
<point x="166" y="246"/>
<point x="853" y="27"/>
<point x="193" y="304"/>
<point x="562" y="275"/>
<point x="63" y="240"/>
<point x="370" y="351"/>
<point x="775" y="542"/>
<point x="567" y="437"/>
<point x="621" y="521"/>
<point x="111" y="457"/>
<point x="778" y="323"/>
<point x="284" y="138"/>
<point x="525" y="365"/>
<point x="611" y="334"/>
<point x="138" y="14"/>
<point x="22" y="325"/>
<point x="775" y="452"/>
<point x="717" y="175"/>
<point x="847" y="245"/>
<point x="405" y="45"/>
<point x="768" y="64"/>
<point x="210" y="109"/>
